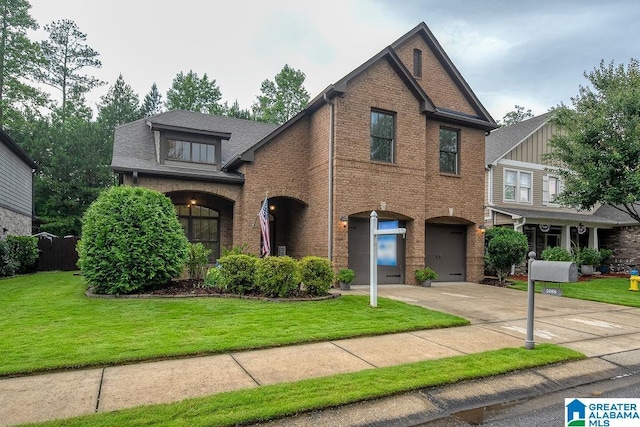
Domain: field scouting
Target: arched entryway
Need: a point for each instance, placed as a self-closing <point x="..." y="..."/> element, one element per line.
<point x="285" y="225"/>
<point x="205" y="218"/>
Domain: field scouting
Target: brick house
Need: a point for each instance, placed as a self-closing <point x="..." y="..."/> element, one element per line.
<point x="403" y="134"/>
<point x="16" y="188"/>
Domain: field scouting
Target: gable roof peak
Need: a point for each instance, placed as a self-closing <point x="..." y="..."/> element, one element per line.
<point x="504" y="139"/>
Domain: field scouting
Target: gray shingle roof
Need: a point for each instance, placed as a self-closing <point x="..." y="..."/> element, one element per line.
<point x="502" y="140"/>
<point x="593" y="218"/>
<point x="134" y="145"/>
<point x="621" y="218"/>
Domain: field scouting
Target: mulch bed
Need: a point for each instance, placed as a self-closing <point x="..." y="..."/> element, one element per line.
<point x="186" y="288"/>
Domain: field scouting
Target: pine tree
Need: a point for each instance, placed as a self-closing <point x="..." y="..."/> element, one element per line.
<point x="152" y="103"/>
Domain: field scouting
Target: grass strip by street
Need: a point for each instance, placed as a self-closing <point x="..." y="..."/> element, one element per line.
<point x="48" y="324"/>
<point x="608" y="290"/>
<point x="275" y="401"/>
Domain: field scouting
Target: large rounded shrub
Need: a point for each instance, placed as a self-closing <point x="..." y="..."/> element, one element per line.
<point x="316" y="274"/>
<point x="237" y="273"/>
<point x="505" y="247"/>
<point x="277" y="276"/>
<point x="131" y="240"/>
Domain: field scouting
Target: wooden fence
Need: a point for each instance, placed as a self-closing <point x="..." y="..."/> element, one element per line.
<point x="57" y="253"/>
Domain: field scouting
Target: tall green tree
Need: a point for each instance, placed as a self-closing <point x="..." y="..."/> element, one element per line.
<point x="282" y="98"/>
<point x="120" y="105"/>
<point x="66" y="55"/>
<point x="72" y="170"/>
<point x="194" y="93"/>
<point x="19" y="62"/>
<point x="152" y="103"/>
<point x="518" y="114"/>
<point x="598" y="146"/>
<point x="235" y="111"/>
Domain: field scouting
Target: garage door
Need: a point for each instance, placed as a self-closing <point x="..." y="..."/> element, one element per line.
<point x="445" y="251"/>
<point x="390" y="252"/>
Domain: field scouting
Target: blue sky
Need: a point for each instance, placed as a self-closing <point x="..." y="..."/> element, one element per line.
<point x="510" y="52"/>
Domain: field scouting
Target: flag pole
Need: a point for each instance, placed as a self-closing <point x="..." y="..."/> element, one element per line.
<point x="266" y="195"/>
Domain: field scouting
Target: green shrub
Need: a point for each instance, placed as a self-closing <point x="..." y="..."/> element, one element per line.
<point x="24" y="250"/>
<point x="277" y="276"/>
<point x="605" y="254"/>
<point x="345" y="275"/>
<point x="426" y="273"/>
<point x="237" y="273"/>
<point x="316" y="274"/>
<point x="131" y="240"/>
<point x="197" y="260"/>
<point x="213" y="279"/>
<point x="8" y="264"/>
<point x="236" y="250"/>
<point x="505" y="248"/>
<point x="556" y="253"/>
<point x="587" y="256"/>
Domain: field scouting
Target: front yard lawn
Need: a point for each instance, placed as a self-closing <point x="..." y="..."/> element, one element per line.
<point x="48" y="323"/>
<point x="612" y="290"/>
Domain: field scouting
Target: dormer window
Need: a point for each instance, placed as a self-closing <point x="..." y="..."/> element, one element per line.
<point x="188" y="151"/>
<point x="188" y="148"/>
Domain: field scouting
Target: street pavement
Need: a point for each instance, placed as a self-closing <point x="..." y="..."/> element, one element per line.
<point x="608" y="335"/>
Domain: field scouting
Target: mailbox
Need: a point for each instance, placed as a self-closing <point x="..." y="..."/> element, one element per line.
<point x="553" y="271"/>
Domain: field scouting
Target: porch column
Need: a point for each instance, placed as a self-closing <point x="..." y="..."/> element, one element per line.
<point x="593" y="238"/>
<point x="566" y="237"/>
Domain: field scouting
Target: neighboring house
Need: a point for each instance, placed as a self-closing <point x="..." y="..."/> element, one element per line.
<point x="16" y="188"/>
<point x="403" y="134"/>
<point x="521" y="189"/>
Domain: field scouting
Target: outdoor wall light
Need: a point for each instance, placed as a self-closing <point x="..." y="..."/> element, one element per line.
<point x="193" y="201"/>
<point x="482" y="228"/>
<point x="344" y="221"/>
<point x="272" y="208"/>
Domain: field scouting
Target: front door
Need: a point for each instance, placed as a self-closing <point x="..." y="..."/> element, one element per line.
<point x="445" y="251"/>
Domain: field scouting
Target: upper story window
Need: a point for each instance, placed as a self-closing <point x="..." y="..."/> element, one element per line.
<point x="382" y="136"/>
<point x="517" y="186"/>
<point x="417" y="63"/>
<point x="449" y="149"/>
<point x="188" y="151"/>
<point x="551" y="187"/>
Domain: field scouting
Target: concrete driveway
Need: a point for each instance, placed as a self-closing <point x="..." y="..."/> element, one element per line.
<point x="593" y="328"/>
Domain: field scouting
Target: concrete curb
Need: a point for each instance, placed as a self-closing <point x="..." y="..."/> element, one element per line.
<point x="432" y="404"/>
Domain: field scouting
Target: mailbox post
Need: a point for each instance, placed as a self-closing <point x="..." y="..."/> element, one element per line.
<point x="546" y="271"/>
<point x="373" y="254"/>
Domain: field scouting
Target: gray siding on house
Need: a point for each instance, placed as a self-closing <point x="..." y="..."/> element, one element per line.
<point x="533" y="148"/>
<point x="15" y="182"/>
<point x="536" y="190"/>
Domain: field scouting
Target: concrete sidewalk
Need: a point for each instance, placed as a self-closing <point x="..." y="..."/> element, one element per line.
<point x="608" y="334"/>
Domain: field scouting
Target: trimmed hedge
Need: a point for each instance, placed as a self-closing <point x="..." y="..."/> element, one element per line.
<point x="277" y="277"/>
<point x="8" y="264"/>
<point x="131" y="240"/>
<point x="24" y="250"/>
<point x="237" y="273"/>
<point x="316" y="275"/>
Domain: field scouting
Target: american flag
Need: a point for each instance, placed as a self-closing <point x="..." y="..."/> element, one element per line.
<point x="263" y="215"/>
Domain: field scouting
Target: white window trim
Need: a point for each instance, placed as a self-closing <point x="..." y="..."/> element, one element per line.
<point x="517" y="192"/>
<point x="545" y="190"/>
